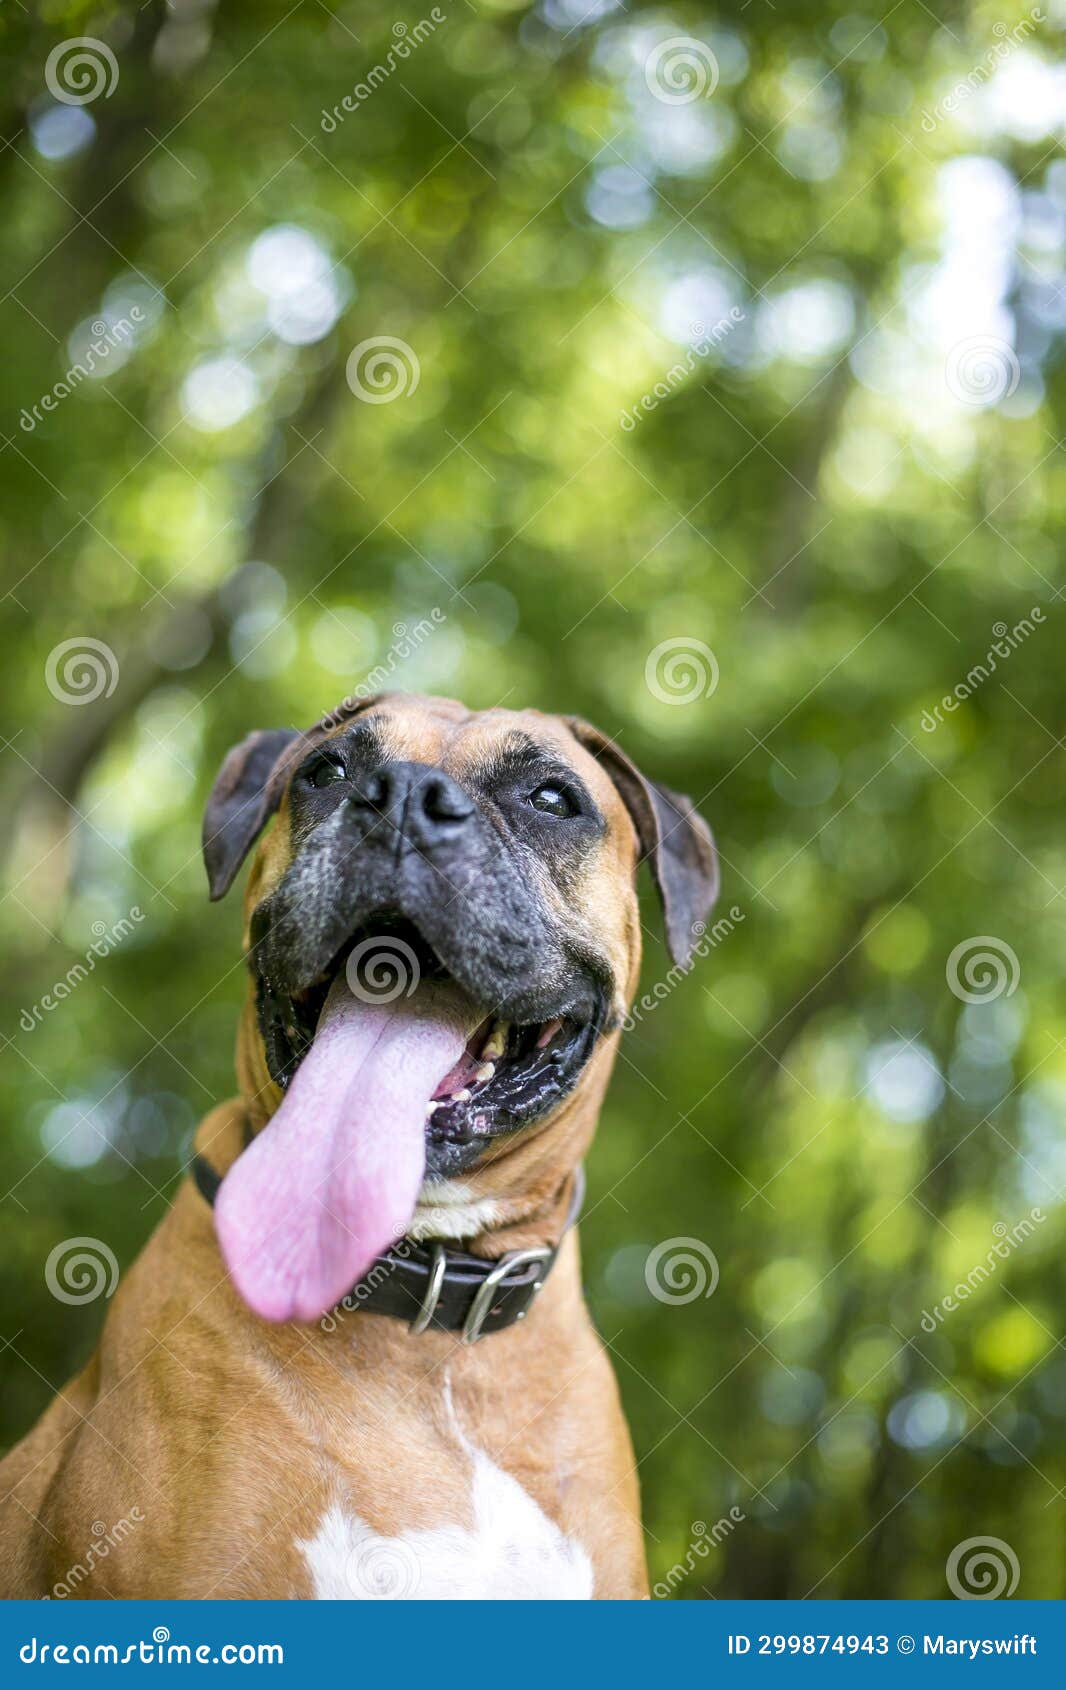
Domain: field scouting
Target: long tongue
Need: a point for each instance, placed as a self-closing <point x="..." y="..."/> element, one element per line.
<point x="333" y="1178"/>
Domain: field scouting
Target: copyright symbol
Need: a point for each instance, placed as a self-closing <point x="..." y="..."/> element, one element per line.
<point x="905" y="1645"/>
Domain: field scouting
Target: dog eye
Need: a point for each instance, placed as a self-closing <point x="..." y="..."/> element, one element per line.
<point x="553" y="801"/>
<point x="326" y="772"/>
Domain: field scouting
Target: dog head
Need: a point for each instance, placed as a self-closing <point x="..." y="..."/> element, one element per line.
<point x="417" y="846"/>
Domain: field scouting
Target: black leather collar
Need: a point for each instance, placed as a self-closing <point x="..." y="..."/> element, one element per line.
<point x="435" y="1287"/>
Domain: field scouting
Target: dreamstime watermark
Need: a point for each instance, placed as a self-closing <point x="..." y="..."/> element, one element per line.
<point x="681" y="70"/>
<point x="159" y="1650"/>
<point x="406" y="641"/>
<point x="106" y="337"/>
<point x="982" y="968"/>
<point x="381" y="969"/>
<point x="79" y="70"/>
<point x="680" y="1270"/>
<point x="371" y="1281"/>
<point x="1007" y="640"/>
<point x="107" y="939"/>
<point x="79" y="1270"/>
<point x="982" y="1569"/>
<point x="381" y="369"/>
<point x="983" y="70"/>
<point x="681" y="670"/>
<point x="704" y="1539"/>
<point x="104" y="1540"/>
<point x="406" y="39"/>
<point x="678" y="374"/>
<point x="384" y="1569"/>
<point x="1008" y="1240"/>
<point x="80" y="670"/>
<point x="982" y="370"/>
<point x="709" y="938"/>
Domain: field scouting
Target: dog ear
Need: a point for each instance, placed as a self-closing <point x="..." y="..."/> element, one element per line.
<point x="675" y="841"/>
<point x="245" y="794"/>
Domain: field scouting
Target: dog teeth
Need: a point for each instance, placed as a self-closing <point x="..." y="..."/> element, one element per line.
<point x="495" y="1043"/>
<point x="430" y="1107"/>
<point x="485" y="1072"/>
<point x="461" y="1096"/>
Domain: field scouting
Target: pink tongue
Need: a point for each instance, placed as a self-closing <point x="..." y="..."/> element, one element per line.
<point x="332" y="1179"/>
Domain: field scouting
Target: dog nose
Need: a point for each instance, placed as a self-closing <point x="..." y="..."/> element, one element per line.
<point x="442" y="800"/>
<point x="415" y="795"/>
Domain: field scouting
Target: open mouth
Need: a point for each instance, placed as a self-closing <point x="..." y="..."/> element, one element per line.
<point x="394" y="1073"/>
<point x="395" y="1070"/>
<point x="510" y="1074"/>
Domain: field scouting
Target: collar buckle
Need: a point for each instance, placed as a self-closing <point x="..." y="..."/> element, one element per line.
<point x="482" y="1303"/>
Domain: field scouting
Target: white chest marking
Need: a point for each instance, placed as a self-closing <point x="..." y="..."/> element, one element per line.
<point x="448" y="1209"/>
<point x="513" y="1552"/>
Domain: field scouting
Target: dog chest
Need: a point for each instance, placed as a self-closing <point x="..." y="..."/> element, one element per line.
<point x="512" y="1551"/>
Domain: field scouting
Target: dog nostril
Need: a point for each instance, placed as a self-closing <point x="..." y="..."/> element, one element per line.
<point x="443" y="801"/>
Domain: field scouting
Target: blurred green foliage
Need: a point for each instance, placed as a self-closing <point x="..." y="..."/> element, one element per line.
<point x="842" y="492"/>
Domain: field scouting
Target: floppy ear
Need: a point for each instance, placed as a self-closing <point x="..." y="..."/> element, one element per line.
<point x="675" y="841"/>
<point x="245" y="794"/>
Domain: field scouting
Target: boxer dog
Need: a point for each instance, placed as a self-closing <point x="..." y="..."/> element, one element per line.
<point x="354" y="1359"/>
